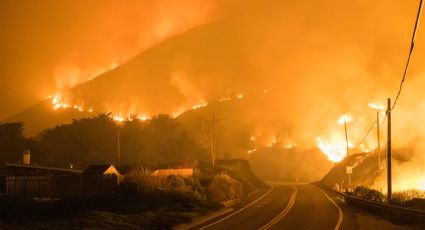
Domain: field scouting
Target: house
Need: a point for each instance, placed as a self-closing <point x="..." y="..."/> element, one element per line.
<point x="38" y="181"/>
<point x="101" y="179"/>
<point x="13" y="169"/>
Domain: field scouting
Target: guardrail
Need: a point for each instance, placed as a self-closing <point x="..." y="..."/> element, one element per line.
<point x="395" y="213"/>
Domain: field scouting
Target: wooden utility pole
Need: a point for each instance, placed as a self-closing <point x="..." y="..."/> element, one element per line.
<point x="346" y="137"/>
<point x="213" y="140"/>
<point x="378" y="140"/>
<point x="118" y="147"/>
<point x="389" y="184"/>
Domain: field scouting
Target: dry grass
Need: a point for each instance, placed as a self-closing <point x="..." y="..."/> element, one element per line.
<point x="406" y="195"/>
<point x="223" y="188"/>
<point x="146" y="182"/>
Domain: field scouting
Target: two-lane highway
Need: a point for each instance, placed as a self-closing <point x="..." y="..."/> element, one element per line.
<point x="313" y="209"/>
<point x="285" y="206"/>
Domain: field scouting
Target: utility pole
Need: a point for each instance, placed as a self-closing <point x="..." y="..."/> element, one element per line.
<point x="389" y="184"/>
<point x="346" y="137"/>
<point x="379" y="141"/>
<point x="118" y="146"/>
<point x="213" y="140"/>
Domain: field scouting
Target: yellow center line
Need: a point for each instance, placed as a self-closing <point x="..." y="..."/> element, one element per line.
<point x="340" y="215"/>
<point x="240" y="210"/>
<point x="284" y="212"/>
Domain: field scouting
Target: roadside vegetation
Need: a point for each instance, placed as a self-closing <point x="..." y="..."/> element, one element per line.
<point x="142" y="200"/>
<point x="152" y="143"/>
<point x="412" y="198"/>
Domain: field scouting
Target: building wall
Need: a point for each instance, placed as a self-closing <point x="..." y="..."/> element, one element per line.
<point x="187" y="172"/>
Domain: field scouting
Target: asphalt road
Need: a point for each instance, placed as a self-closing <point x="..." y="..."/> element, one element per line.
<point x="285" y="206"/>
<point x="298" y="206"/>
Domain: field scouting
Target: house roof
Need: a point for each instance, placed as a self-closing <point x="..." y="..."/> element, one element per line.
<point x="22" y="169"/>
<point x="99" y="169"/>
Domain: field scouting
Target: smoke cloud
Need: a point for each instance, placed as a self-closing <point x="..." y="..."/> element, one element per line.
<point x="52" y="46"/>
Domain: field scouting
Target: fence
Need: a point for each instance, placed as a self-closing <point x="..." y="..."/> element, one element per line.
<point x="395" y="213"/>
<point x="57" y="186"/>
<point x="99" y="184"/>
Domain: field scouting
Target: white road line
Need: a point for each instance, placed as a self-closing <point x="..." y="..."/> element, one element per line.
<point x="284" y="212"/>
<point x="240" y="210"/>
<point x="340" y="215"/>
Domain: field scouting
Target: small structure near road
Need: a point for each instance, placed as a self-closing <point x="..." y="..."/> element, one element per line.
<point x="38" y="181"/>
<point x="101" y="179"/>
<point x="184" y="172"/>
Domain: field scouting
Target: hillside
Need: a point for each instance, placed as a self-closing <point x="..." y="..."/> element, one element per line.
<point x="151" y="83"/>
<point x="290" y="164"/>
<point x="365" y="170"/>
<point x="42" y="116"/>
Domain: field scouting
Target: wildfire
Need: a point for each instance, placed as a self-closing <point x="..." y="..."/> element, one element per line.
<point x="198" y="106"/>
<point x="411" y="183"/>
<point x="251" y="151"/>
<point x="118" y="118"/>
<point x="345" y="119"/>
<point x="422" y="185"/>
<point x="271" y="142"/>
<point x="225" y="99"/>
<point x="365" y="149"/>
<point x="143" y="117"/>
<point x="240" y="96"/>
<point x="376" y="105"/>
<point x="58" y="103"/>
<point x="289" y="146"/>
<point x="334" y="152"/>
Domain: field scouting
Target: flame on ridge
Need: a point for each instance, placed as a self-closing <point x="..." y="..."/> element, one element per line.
<point x="335" y="152"/>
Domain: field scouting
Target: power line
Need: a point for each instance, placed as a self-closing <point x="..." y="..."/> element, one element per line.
<point x="412" y="45"/>
<point x="371" y="128"/>
<point x="367" y="133"/>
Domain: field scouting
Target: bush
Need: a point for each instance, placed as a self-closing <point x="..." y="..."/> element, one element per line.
<point x="223" y="188"/>
<point x="406" y="195"/>
<point x="368" y="193"/>
<point x="141" y="181"/>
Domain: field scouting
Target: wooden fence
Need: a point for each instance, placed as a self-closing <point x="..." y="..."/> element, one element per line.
<point x="99" y="184"/>
<point x="57" y="186"/>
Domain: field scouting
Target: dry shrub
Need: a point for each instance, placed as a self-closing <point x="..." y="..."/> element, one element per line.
<point x="406" y="195"/>
<point x="146" y="182"/>
<point x="223" y="188"/>
<point x="143" y="180"/>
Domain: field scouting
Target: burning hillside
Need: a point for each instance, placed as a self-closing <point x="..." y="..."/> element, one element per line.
<point x="272" y="76"/>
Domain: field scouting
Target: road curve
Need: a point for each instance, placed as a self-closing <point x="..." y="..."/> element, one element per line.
<point x="256" y="213"/>
<point x="313" y="209"/>
<point x="286" y="206"/>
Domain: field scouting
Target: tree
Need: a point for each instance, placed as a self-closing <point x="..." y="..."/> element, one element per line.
<point x="12" y="141"/>
<point x="81" y="143"/>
